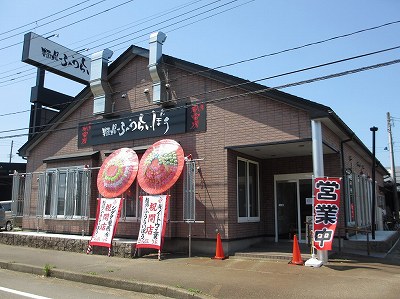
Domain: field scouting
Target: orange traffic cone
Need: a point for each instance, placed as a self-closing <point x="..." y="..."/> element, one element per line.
<point x="296" y="259"/>
<point x="219" y="251"/>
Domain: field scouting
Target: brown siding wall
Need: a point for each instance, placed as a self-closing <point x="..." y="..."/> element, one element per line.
<point x="232" y="120"/>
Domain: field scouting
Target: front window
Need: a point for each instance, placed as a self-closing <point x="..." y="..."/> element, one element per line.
<point x="131" y="205"/>
<point x="21" y="194"/>
<point x="358" y="199"/>
<point x="65" y="192"/>
<point x="49" y="186"/>
<point x="62" y="192"/>
<point x="248" y="199"/>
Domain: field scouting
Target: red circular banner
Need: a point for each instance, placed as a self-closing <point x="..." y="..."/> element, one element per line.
<point x="160" y="166"/>
<point x="117" y="172"/>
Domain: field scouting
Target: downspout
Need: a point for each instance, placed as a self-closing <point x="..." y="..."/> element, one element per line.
<point x="98" y="82"/>
<point x="344" y="181"/>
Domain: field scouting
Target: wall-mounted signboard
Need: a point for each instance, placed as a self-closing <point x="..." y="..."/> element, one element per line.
<point x="44" y="53"/>
<point x="143" y="124"/>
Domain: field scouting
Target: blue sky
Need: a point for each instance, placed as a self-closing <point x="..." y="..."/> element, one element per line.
<point x="231" y="31"/>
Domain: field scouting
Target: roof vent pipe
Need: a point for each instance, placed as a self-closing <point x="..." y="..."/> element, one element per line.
<point x="156" y="72"/>
<point x="98" y="82"/>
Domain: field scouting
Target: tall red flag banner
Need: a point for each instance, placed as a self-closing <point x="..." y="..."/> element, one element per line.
<point x="326" y="211"/>
<point x="153" y="223"/>
<point x="107" y="215"/>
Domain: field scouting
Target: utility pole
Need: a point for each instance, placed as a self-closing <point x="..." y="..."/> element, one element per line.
<point x="391" y="153"/>
<point x="12" y="143"/>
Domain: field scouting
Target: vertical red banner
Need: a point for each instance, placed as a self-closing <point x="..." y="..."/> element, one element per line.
<point x="326" y="211"/>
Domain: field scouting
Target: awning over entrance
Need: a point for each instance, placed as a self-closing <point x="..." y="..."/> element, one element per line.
<point x="282" y="149"/>
<point x="74" y="156"/>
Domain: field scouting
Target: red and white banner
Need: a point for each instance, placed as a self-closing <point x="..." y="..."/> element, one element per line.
<point x="153" y="223"/>
<point x="108" y="212"/>
<point x="326" y="211"/>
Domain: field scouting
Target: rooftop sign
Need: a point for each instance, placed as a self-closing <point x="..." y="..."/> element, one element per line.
<point x="44" y="53"/>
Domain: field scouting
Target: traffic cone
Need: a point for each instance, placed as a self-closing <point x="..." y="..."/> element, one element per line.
<point x="219" y="251"/>
<point x="296" y="259"/>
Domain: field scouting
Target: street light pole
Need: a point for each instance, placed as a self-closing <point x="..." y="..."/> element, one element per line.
<point x="373" y="130"/>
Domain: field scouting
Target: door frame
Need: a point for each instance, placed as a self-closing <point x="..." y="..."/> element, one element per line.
<point x="292" y="177"/>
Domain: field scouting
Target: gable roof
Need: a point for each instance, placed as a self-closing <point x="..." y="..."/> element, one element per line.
<point x="315" y="110"/>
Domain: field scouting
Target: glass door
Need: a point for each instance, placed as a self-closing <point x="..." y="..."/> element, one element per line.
<point x="306" y="199"/>
<point x="287" y="209"/>
<point x="293" y="206"/>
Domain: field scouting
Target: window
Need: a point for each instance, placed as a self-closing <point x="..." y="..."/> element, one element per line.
<point x="131" y="208"/>
<point x="21" y="194"/>
<point x="248" y="199"/>
<point x="49" y="184"/>
<point x="358" y="199"/>
<point x="350" y="199"/>
<point x="64" y="193"/>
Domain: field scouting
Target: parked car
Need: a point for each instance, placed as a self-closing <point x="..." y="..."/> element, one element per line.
<point x="6" y="219"/>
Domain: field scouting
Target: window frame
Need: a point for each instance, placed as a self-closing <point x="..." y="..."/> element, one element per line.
<point x="72" y="191"/>
<point x="137" y="193"/>
<point x="358" y="190"/>
<point x="248" y="218"/>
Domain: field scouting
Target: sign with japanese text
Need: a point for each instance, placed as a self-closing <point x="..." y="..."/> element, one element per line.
<point x="153" y="223"/>
<point x="196" y="117"/>
<point x="44" y="53"/>
<point x="326" y="211"/>
<point x="108" y="212"/>
<point x="151" y="123"/>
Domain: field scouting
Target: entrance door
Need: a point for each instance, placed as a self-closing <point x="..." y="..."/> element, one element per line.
<point x="293" y="203"/>
<point x="286" y="198"/>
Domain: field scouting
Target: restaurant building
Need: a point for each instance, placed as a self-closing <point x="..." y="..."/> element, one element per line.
<point x="251" y="147"/>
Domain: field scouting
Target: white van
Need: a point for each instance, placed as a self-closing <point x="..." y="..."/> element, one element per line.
<point x="6" y="219"/>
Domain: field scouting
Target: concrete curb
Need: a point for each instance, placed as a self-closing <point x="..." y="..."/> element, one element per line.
<point x="135" y="286"/>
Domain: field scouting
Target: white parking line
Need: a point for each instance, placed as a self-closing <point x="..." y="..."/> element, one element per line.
<point x="22" y="293"/>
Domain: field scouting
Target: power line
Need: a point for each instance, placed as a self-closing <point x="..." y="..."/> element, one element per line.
<point x="56" y="13"/>
<point x="316" y="43"/>
<point x="177" y="22"/>
<point x="76" y="22"/>
<point x="254" y="58"/>
<point x="258" y="91"/>
<point x="14" y="113"/>
<point x="247" y="82"/>
<point x="147" y="33"/>
<point x="37" y="26"/>
<point x="304" y="69"/>
<point x="243" y="61"/>
<point x="138" y="22"/>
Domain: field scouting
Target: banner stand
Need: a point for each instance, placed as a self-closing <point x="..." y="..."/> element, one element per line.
<point x="137" y="251"/>
<point x="313" y="261"/>
<point x="189" y="222"/>
<point x="153" y="222"/>
<point x="107" y="216"/>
